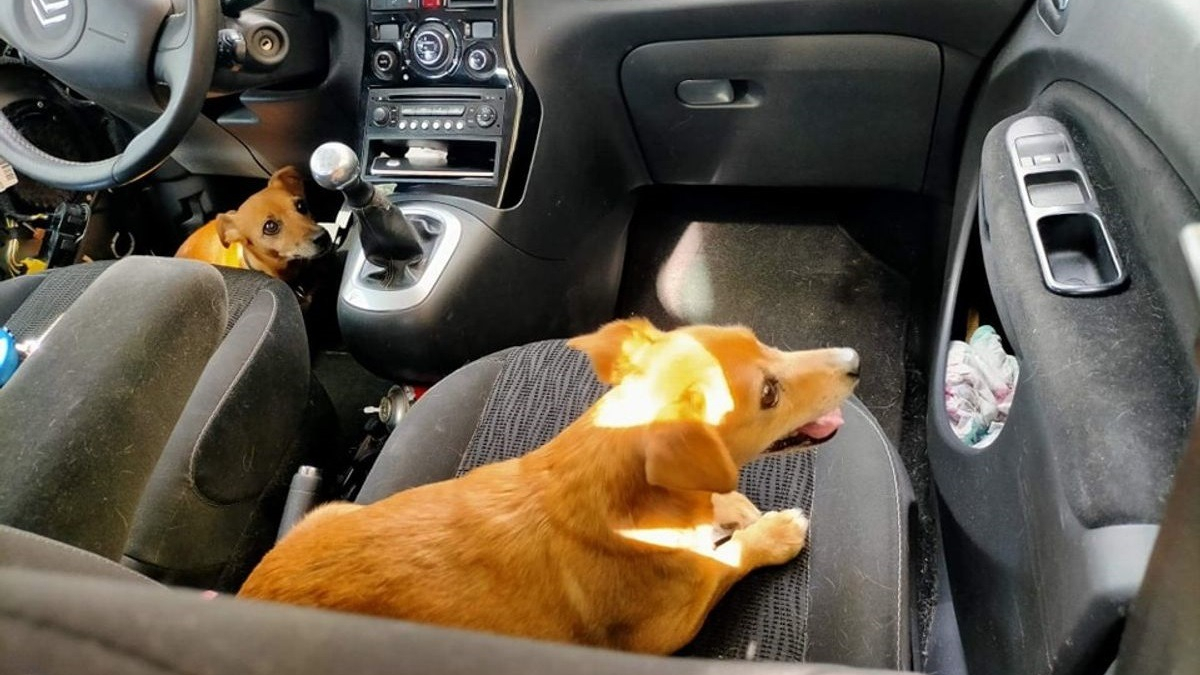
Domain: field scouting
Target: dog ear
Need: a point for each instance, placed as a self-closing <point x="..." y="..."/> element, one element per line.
<point x="288" y="178"/>
<point x="227" y="229"/>
<point x="688" y="455"/>
<point x="613" y="350"/>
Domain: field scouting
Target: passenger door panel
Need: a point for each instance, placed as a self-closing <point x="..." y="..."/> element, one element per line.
<point x="1048" y="529"/>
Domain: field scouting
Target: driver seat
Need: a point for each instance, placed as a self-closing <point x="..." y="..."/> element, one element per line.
<point x="212" y="502"/>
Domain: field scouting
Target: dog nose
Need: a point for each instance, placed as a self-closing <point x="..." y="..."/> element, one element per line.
<point x="850" y="361"/>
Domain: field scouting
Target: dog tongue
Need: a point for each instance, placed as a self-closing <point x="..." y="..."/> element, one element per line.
<point x="824" y="426"/>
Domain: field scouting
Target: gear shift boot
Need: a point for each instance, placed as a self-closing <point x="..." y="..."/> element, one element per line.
<point x="369" y="287"/>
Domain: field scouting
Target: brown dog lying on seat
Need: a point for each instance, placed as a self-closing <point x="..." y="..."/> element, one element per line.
<point x="608" y="534"/>
<point x="271" y="232"/>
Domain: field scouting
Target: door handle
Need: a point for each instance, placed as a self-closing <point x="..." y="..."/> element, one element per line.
<point x="715" y="92"/>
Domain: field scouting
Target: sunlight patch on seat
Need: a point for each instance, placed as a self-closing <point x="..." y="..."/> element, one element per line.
<point x="699" y="540"/>
<point x="673" y="369"/>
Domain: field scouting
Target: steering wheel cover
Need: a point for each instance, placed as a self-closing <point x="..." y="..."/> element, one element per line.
<point x="184" y="60"/>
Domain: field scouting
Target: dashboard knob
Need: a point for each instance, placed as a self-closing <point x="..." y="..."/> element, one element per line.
<point x="480" y="61"/>
<point x="433" y="48"/>
<point x="486" y="116"/>
<point x="379" y="115"/>
<point x="384" y="63"/>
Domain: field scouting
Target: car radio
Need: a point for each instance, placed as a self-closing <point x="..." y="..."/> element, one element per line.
<point x="415" y="112"/>
<point x="441" y="98"/>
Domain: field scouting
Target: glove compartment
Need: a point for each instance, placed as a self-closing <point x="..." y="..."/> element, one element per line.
<point x="814" y="110"/>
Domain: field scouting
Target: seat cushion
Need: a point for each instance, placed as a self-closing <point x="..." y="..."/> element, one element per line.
<point x="26" y="550"/>
<point x="211" y="506"/>
<point x="844" y="600"/>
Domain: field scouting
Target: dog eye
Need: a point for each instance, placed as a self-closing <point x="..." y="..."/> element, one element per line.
<point x="302" y="207"/>
<point x="271" y="227"/>
<point x="770" y="393"/>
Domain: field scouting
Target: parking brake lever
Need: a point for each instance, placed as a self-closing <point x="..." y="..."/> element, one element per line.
<point x="387" y="237"/>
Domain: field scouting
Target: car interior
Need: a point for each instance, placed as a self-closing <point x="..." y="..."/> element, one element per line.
<point x="994" y="203"/>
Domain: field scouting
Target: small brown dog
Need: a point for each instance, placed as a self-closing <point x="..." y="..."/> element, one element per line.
<point x="271" y="232"/>
<point x="611" y="533"/>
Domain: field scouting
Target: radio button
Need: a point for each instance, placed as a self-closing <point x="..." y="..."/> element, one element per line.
<point x="424" y="124"/>
<point x="379" y="115"/>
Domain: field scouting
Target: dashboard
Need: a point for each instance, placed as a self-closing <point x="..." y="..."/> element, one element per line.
<point x="441" y="97"/>
<point x="585" y="105"/>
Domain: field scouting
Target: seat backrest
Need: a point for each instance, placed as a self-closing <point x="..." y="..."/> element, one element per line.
<point x="84" y="419"/>
<point x="237" y="431"/>
<point x="252" y="418"/>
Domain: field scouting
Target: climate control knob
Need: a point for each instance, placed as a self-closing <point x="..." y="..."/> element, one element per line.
<point x="433" y="49"/>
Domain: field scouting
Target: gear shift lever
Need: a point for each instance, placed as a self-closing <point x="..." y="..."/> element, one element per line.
<point x="386" y="235"/>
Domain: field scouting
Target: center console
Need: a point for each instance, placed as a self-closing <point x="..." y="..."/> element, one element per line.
<point x="441" y="97"/>
<point x="451" y="254"/>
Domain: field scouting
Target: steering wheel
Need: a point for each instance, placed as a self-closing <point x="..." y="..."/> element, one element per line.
<point x="112" y="51"/>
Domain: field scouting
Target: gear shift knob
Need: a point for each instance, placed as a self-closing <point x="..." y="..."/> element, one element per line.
<point x="334" y="166"/>
<point x="386" y="235"/>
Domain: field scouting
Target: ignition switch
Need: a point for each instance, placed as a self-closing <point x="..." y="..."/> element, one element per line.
<point x="252" y="43"/>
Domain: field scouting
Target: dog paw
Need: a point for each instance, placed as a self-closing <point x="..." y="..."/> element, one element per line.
<point x="733" y="511"/>
<point x="779" y="536"/>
